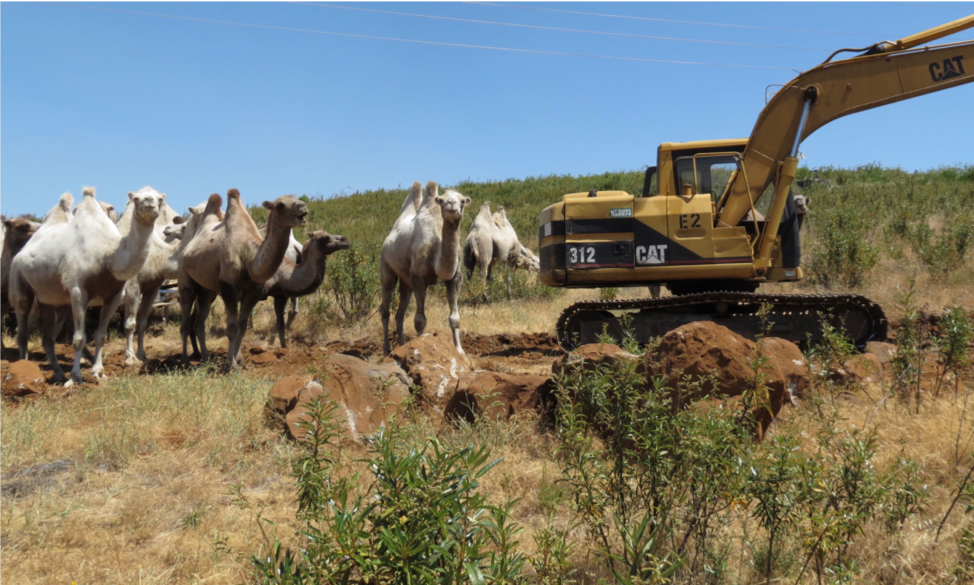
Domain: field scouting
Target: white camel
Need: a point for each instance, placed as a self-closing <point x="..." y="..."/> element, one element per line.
<point x="72" y="263"/>
<point x="160" y="265"/>
<point x="491" y="239"/>
<point x="423" y="247"/>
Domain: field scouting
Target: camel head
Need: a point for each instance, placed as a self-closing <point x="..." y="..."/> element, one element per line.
<point x="452" y="204"/>
<point x="327" y="243"/>
<point x="175" y="230"/>
<point x="287" y="211"/>
<point x="146" y="203"/>
<point x="18" y="230"/>
<point x="524" y="260"/>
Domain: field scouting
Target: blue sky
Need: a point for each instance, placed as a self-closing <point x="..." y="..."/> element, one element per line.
<point x="189" y="106"/>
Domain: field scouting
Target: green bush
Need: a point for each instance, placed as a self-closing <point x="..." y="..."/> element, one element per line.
<point x="842" y="254"/>
<point x="353" y="280"/>
<point x="421" y="520"/>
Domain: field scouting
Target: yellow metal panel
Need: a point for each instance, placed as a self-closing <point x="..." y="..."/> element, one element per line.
<point x="689" y="224"/>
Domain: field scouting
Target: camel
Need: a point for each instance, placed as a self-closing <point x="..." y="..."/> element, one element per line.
<point x="16" y="232"/>
<point x="492" y="238"/>
<point x="160" y="265"/>
<point x="71" y="263"/>
<point x="423" y="247"/>
<point x="230" y="258"/>
<point x="297" y="279"/>
<point x="108" y="208"/>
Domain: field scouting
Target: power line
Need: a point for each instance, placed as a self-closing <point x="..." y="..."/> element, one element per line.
<point x="421" y="42"/>
<point x="559" y="29"/>
<point x="823" y="32"/>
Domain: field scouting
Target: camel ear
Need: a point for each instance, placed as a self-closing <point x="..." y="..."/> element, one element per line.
<point x="8" y="223"/>
<point x="131" y="195"/>
<point x="162" y="197"/>
<point x="438" y="199"/>
<point x="466" y="201"/>
<point x="268" y="204"/>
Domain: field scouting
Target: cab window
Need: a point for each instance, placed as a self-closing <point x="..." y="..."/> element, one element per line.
<point x="714" y="172"/>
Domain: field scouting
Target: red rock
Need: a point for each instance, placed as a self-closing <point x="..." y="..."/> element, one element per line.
<point x="368" y="395"/>
<point x="884" y="352"/>
<point x="265" y="357"/>
<point x="434" y="364"/>
<point x="790" y="362"/>
<point x="591" y="356"/>
<point x="860" y="369"/>
<point x="494" y="395"/>
<point x="284" y="392"/>
<point x="704" y="359"/>
<point x="21" y="378"/>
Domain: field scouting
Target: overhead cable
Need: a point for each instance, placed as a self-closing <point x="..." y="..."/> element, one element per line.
<point x="559" y="29"/>
<point x="419" y="41"/>
<point x="822" y="32"/>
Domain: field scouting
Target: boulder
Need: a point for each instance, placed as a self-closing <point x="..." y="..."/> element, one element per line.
<point x="434" y="365"/>
<point x="21" y="378"/>
<point x="789" y="359"/>
<point x="367" y="394"/>
<point x="884" y="352"/>
<point x="589" y="357"/>
<point x="284" y="393"/>
<point x="864" y="368"/>
<point x="704" y="359"/>
<point x="494" y="395"/>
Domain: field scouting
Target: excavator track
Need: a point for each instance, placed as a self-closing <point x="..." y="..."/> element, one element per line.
<point x="797" y="318"/>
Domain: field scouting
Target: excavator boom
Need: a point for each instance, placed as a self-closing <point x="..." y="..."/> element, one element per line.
<point x="840" y="88"/>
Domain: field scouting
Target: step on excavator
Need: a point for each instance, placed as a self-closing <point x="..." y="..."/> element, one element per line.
<point x="698" y="226"/>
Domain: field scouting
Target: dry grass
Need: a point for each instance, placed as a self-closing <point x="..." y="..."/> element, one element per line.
<point x="153" y="459"/>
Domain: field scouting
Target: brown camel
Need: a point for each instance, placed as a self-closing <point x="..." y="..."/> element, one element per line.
<point x="230" y="258"/>
<point x="16" y="232"/>
<point x="294" y="280"/>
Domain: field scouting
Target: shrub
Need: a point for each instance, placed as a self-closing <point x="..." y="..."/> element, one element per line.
<point x="421" y="520"/>
<point x="353" y="279"/>
<point x="842" y="254"/>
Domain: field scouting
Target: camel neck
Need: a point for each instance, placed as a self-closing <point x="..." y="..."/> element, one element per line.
<point x="271" y="252"/>
<point x="448" y="256"/>
<point x="133" y="249"/>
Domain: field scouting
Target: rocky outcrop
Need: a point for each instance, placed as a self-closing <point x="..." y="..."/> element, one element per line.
<point x="495" y="395"/>
<point x="367" y="395"/>
<point x="21" y="378"/>
<point x="435" y="366"/>
<point x="590" y="357"/>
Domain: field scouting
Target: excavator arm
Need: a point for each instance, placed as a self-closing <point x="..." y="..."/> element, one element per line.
<point x="894" y="71"/>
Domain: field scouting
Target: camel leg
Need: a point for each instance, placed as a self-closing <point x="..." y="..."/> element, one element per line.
<point x="131" y="298"/>
<point x="247" y="304"/>
<point x="48" y="316"/>
<point x="453" y="296"/>
<point x="192" y="338"/>
<point x="79" y="305"/>
<point x="419" y="291"/>
<point x="229" y="296"/>
<point x="280" y="303"/>
<point x="405" y="295"/>
<point x="387" y="279"/>
<point x="187" y="297"/>
<point x="145" y="309"/>
<point x="107" y="311"/>
<point x="291" y="315"/>
<point x="204" y="300"/>
<point x="22" y="308"/>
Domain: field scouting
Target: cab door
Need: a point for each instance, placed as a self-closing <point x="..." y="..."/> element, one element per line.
<point x="598" y="231"/>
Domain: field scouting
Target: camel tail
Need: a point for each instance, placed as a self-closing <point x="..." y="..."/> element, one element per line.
<point x="470" y="257"/>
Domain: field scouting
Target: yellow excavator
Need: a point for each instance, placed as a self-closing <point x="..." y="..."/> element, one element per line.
<point x="698" y="227"/>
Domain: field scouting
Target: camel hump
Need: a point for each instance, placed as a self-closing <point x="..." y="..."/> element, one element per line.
<point x="233" y="194"/>
<point x="66" y="202"/>
<point x="213" y="204"/>
<point x="432" y="190"/>
<point x="413" y="199"/>
<point x="87" y="192"/>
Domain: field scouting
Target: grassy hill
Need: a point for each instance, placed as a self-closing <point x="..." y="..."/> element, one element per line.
<point x="919" y="225"/>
